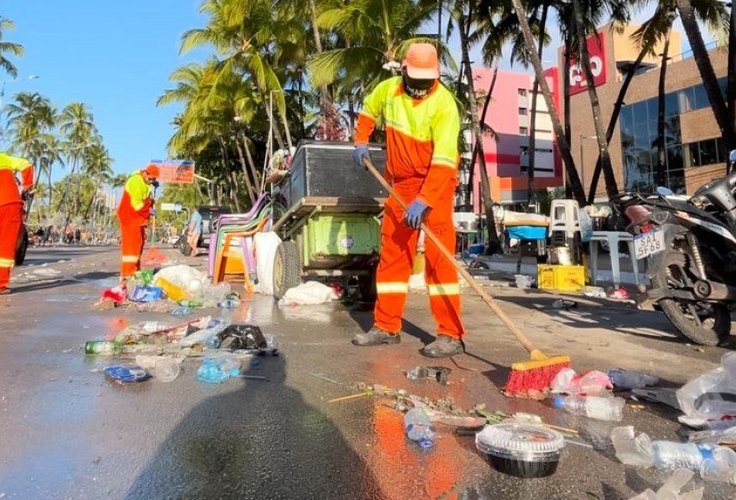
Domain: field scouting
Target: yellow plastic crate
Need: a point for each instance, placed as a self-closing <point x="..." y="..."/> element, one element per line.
<point x="546" y="277"/>
<point x="561" y="278"/>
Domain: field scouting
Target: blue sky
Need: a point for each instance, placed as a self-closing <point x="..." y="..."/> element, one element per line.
<point x="114" y="56"/>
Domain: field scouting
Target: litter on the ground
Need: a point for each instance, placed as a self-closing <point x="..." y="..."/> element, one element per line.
<point x="146" y="294"/>
<point x="521" y="449"/>
<point x="523" y="281"/>
<point x="440" y="374"/>
<point x="308" y="293"/>
<point x="217" y="370"/>
<point x="564" y="304"/>
<point x="126" y="374"/>
<point x="419" y="427"/>
<point x="672" y="488"/>
<point x="712" y="395"/>
<point x="626" y="379"/>
<point x="567" y="381"/>
<point x="598" y="408"/>
<point x="595" y="292"/>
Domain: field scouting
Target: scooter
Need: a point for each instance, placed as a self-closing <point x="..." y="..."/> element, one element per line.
<point x="690" y="248"/>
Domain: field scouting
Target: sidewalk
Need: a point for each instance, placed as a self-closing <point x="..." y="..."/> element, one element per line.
<point x="507" y="264"/>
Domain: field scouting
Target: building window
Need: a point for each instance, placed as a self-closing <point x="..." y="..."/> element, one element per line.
<point x="522" y="92"/>
<point x="708" y="152"/>
<point x="523" y="131"/>
<point x="522" y="111"/>
<point x="524" y="150"/>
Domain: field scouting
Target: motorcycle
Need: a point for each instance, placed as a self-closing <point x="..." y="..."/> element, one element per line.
<point x="690" y="248"/>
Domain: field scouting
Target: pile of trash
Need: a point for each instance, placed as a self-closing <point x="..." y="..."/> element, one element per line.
<point x="227" y="350"/>
<point x="182" y="284"/>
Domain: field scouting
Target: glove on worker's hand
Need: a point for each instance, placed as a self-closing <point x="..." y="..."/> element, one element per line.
<point x="359" y="153"/>
<point x="415" y="214"/>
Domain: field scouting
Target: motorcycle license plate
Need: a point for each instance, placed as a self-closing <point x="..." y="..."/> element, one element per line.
<point x="646" y="244"/>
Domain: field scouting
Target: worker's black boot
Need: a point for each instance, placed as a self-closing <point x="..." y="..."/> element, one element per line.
<point x="376" y="336"/>
<point x="444" y="347"/>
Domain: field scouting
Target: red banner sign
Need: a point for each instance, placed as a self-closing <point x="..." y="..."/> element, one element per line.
<point x="176" y="171"/>
<point x="597" y="51"/>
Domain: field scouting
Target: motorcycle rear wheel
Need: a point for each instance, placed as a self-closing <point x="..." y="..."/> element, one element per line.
<point x="702" y="322"/>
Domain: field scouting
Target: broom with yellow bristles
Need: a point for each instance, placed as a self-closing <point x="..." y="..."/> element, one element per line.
<point x="528" y="378"/>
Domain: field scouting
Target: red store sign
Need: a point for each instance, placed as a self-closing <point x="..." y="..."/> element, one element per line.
<point x="597" y="51"/>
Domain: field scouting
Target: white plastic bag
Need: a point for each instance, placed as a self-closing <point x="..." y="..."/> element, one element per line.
<point x="266" y="245"/>
<point x="712" y="395"/>
<point x="311" y="292"/>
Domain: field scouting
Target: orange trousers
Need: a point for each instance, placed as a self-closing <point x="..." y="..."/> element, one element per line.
<point x="11" y="218"/>
<point x="398" y="250"/>
<point x="132" y="239"/>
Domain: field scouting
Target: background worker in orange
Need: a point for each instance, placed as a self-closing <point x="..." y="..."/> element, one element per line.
<point x="422" y="130"/>
<point x="133" y="213"/>
<point x="11" y="211"/>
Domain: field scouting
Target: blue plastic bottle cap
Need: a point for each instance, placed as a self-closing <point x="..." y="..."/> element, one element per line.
<point x="706" y="451"/>
<point x="558" y="401"/>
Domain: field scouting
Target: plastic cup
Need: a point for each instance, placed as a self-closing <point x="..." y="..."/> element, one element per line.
<point x="166" y="369"/>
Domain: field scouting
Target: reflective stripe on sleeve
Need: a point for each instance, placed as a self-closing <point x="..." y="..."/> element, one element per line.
<point x="7" y="263"/>
<point x="130" y="258"/>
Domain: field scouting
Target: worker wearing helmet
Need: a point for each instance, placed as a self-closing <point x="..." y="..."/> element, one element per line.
<point x="134" y="211"/>
<point x="422" y="128"/>
<point x="11" y="211"/>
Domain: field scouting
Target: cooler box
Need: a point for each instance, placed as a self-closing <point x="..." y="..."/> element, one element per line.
<point x="527" y="232"/>
<point x="321" y="168"/>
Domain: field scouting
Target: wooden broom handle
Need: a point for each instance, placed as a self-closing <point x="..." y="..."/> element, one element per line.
<point x="523" y="339"/>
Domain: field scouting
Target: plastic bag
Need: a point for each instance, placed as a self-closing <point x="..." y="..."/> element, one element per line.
<point x="586" y="226"/>
<point x="712" y="395"/>
<point x="147" y="294"/>
<point x="266" y="244"/>
<point x="242" y="337"/>
<point x="311" y="292"/>
<point x="567" y="381"/>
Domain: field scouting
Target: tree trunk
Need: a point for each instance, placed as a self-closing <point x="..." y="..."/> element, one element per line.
<point x="608" y="175"/>
<point x="564" y="145"/>
<point x="271" y="122"/>
<point x="731" y="91"/>
<point x="707" y="74"/>
<point x="661" y="145"/>
<point x="246" y="177"/>
<point x="234" y="191"/>
<point x="464" y="24"/>
<point x="531" y="150"/>
<point x="614" y="118"/>
<point x="254" y="171"/>
<point x="566" y="107"/>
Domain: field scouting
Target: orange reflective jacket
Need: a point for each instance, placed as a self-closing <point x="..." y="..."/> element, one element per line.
<point x="421" y="135"/>
<point x="9" y="166"/>
<point x="135" y="205"/>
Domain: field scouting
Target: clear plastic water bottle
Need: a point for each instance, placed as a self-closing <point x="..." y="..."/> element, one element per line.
<point x="419" y="427"/>
<point x="608" y="409"/>
<point x="722" y="467"/>
<point x="623" y="379"/>
<point x="181" y="311"/>
<point x="671" y="455"/>
<point x="228" y="304"/>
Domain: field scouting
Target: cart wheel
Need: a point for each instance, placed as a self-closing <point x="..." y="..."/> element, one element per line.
<point x="287" y="272"/>
<point x="21" y="248"/>
<point x="367" y="287"/>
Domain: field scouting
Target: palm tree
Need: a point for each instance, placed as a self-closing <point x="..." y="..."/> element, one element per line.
<point x="562" y="142"/>
<point x="712" y="13"/>
<point x="77" y="125"/>
<point x="8" y="48"/>
<point x="30" y="116"/>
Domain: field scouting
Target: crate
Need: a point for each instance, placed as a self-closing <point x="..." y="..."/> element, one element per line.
<point x="325" y="169"/>
<point x="546" y="277"/>
<point x="561" y="278"/>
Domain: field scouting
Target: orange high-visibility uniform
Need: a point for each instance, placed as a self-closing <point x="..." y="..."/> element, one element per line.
<point x="11" y="210"/>
<point x="422" y="159"/>
<point x="133" y="214"/>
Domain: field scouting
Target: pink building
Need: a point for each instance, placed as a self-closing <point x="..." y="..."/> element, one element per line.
<point x="507" y="154"/>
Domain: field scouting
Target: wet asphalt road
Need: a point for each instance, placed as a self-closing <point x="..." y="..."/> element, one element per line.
<point x="66" y="432"/>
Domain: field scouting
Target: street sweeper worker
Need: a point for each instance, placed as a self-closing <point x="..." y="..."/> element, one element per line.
<point x="11" y="211"/>
<point x="422" y="128"/>
<point x="134" y="212"/>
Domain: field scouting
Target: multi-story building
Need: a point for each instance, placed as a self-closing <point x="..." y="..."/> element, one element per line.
<point x="694" y="152"/>
<point x="507" y="147"/>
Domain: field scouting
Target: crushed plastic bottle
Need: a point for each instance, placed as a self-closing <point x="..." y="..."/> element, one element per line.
<point x="419" y="427"/>
<point x="672" y="488"/>
<point x="163" y="368"/>
<point x="671" y="455"/>
<point x="228" y="304"/>
<point x="624" y="379"/>
<point x="204" y="335"/>
<point x="631" y="449"/>
<point x="217" y="370"/>
<point x="103" y="347"/>
<point x="721" y="467"/>
<point x="181" y="311"/>
<point x="126" y="374"/>
<point x="608" y="409"/>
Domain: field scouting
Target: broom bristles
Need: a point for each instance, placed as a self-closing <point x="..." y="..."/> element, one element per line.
<point x="533" y="378"/>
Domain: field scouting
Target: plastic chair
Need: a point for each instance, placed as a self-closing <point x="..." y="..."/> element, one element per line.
<point x="223" y="254"/>
<point x="564" y="216"/>
<point x="613" y="238"/>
